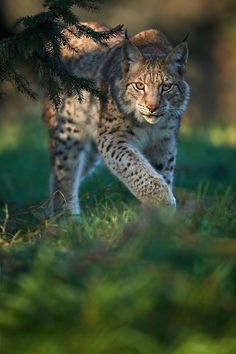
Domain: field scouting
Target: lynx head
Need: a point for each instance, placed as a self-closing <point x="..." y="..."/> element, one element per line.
<point x="154" y="87"/>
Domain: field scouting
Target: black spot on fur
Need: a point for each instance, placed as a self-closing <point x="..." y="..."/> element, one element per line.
<point x="68" y="146"/>
<point x="130" y="132"/>
<point x="61" y="141"/>
<point x="159" y="166"/>
<point x="70" y="120"/>
<point x="59" y="152"/>
<point x="108" y="147"/>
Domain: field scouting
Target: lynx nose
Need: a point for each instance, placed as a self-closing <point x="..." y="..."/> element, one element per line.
<point x="152" y="107"/>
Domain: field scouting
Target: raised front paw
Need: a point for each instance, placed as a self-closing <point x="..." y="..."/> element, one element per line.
<point x="158" y="194"/>
<point x="165" y="196"/>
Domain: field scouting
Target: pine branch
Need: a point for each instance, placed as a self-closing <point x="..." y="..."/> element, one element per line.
<point x="99" y="37"/>
<point x="39" y="45"/>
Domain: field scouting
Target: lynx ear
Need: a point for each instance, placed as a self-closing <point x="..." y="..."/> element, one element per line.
<point x="132" y="56"/>
<point x="178" y="57"/>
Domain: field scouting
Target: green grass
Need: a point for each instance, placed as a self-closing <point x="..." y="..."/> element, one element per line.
<point x="121" y="280"/>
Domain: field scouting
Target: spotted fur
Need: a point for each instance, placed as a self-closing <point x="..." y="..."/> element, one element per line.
<point x="135" y="132"/>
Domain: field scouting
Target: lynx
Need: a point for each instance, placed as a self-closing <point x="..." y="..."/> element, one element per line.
<point x="135" y="131"/>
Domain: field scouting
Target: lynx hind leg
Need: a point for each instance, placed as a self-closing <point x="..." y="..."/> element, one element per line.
<point x="68" y="159"/>
<point x="70" y="166"/>
<point x="66" y="176"/>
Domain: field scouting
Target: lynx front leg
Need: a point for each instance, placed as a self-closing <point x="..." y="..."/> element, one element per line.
<point x="162" y="158"/>
<point x="135" y="171"/>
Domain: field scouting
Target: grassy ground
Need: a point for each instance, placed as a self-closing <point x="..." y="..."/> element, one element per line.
<point x="122" y="279"/>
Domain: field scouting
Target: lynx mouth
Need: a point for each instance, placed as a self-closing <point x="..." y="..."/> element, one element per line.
<point x="152" y="118"/>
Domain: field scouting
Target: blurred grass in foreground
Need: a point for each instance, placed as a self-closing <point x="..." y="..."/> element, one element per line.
<point x="122" y="279"/>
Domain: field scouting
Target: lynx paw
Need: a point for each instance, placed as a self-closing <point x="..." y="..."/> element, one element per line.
<point x="171" y="201"/>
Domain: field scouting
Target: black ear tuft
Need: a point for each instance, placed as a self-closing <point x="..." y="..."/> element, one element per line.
<point x="126" y="34"/>
<point x="186" y="37"/>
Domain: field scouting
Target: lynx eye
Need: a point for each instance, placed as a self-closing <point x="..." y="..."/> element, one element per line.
<point x="166" y="87"/>
<point x="139" y="86"/>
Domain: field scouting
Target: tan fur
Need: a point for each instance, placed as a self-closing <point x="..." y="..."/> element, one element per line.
<point x="135" y="131"/>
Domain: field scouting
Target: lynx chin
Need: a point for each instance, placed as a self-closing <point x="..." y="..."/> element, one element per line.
<point x="135" y="131"/>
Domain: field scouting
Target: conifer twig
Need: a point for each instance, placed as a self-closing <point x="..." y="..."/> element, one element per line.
<point x="38" y="47"/>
